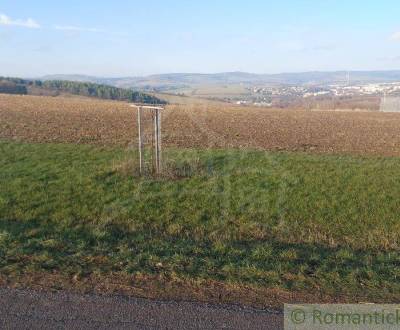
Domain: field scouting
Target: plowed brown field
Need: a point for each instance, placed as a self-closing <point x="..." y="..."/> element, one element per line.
<point x="80" y="120"/>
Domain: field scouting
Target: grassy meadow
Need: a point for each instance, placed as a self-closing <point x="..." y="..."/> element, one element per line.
<point x="293" y="221"/>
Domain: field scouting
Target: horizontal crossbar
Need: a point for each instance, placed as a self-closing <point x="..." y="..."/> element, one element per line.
<point x="146" y="107"/>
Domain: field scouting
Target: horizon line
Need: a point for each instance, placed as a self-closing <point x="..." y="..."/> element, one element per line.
<point x="204" y="73"/>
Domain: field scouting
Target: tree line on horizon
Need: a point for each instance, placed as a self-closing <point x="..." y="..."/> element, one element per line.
<point x="23" y="87"/>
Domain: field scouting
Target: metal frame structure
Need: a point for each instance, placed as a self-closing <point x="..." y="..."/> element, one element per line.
<point x="156" y="137"/>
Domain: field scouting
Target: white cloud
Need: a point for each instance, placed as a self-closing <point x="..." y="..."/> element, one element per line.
<point x="395" y="36"/>
<point x="27" y="23"/>
<point x="32" y="24"/>
<point x="77" y="29"/>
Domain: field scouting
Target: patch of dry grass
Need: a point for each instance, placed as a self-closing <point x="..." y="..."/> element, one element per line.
<point x="172" y="168"/>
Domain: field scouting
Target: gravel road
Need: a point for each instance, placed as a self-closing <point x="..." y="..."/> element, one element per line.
<point x="28" y="309"/>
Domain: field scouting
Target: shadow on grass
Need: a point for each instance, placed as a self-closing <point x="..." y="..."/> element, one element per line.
<point x="73" y="247"/>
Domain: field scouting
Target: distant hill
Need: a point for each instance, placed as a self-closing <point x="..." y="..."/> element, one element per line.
<point x="181" y="80"/>
<point x="71" y="77"/>
<point x="56" y="87"/>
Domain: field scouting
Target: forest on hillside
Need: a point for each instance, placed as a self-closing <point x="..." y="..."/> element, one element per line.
<point x="24" y="87"/>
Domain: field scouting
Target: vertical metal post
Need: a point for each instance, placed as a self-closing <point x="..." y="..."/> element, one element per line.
<point x="141" y="165"/>
<point x="159" y="114"/>
<point x="156" y="139"/>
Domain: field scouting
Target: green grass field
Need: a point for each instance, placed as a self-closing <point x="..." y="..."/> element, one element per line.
<point x="299" y="222"/>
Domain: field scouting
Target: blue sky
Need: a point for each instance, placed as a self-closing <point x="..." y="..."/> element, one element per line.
<point x="129" y="38"/>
